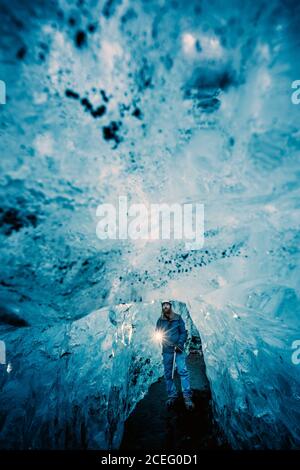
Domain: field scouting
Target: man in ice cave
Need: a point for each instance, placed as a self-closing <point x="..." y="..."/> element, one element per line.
<point x="170" y="330"/>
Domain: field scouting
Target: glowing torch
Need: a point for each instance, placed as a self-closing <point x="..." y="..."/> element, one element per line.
<point x="158" y="336"/>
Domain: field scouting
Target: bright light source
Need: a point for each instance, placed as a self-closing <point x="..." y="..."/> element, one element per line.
<point x="188" y="42"/>
<point x="158" y="336"/>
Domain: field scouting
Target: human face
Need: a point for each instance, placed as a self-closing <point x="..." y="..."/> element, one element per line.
<point x="166" y="308"/>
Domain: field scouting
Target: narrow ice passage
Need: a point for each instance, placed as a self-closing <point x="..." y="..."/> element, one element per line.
<point x="152" y="426"/>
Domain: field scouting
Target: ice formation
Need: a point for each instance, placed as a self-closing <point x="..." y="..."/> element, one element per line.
<point x="73" y="385"/>
<point x="162" y="101"/>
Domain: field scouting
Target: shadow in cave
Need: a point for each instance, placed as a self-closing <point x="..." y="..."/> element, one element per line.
<point x="151" y="426"/>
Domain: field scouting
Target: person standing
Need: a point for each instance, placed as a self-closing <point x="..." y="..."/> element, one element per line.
<point x="172" y="332"/>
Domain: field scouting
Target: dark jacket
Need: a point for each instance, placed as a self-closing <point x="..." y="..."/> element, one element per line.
<point x="174" y="331"/>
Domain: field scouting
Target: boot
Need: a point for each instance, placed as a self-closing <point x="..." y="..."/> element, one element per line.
<point x="188" y="403"/>
<point x="171" y="402"/>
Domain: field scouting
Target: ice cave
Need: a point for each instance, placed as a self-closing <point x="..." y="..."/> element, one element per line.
<point x="160" y="101"/>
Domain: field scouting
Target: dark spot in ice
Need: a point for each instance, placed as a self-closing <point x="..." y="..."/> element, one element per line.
<point x="19" y="24"/>
<point x="60" y="14"/>
<point x="209" y="105"/>
<point x="11" y="318"/>
<point x="72" y="21"/>
<point x="167" y="61"/>
<point x="110" y="7"/>
<point x="80" y="39"/>
<point x="12" y="220"/>
<point x="204" y="87"/>
<point x="110" y="132"/>
<point x="91" y="28"/>
<point x="32" y="218"/>
<point x="72" y="94"/>
<point x="104" y="96"/>
<point x="113" y="317"/>
<point x="67" y="353"/>
<point x="137" y="113"/>
<point x="198" y="46"/>
<point x="44" y="46"/>
<point x="5" y="284"/>
<point x="123" y="108"/>
<point x="130" y="14"/>
<point x="63" y="267"/>
<point x="86" y="104"/>
<point x="21" y="53"/>
<point x="144" y="78"/>
<point x="98" y="112"/>
<point x="225" y="80"/>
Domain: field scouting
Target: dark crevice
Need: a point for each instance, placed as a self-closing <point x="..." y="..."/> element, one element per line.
<point x="175" y="429"/>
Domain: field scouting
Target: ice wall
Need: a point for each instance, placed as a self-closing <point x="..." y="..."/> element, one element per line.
<point x="73" y="385"/>
<point x="249" y="364"/>
<point x="162" y="101"/>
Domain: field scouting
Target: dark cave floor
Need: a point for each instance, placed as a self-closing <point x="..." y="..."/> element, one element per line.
<point x="152" y="427"/>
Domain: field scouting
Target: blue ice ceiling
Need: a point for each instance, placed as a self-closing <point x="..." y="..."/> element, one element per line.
<point x="162" y="101"/>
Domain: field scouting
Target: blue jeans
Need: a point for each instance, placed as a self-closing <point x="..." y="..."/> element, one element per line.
<point x="182" y="371"/>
